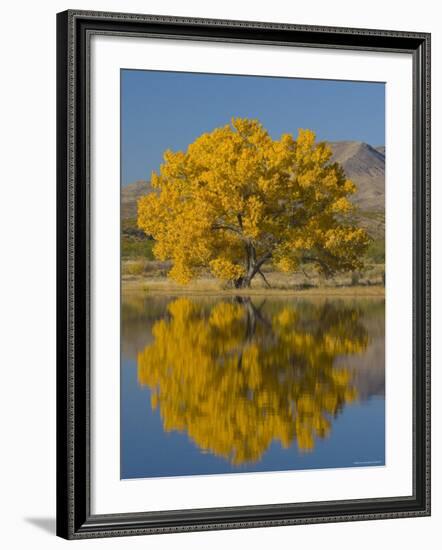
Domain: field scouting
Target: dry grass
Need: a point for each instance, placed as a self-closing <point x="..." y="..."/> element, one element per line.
<point x="210" y="287"/>
<point x="144" y="268"/>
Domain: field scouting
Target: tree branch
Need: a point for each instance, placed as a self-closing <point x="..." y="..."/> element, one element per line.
<point x="266" y="257"/>
<point x="227" y="227"/>
<point x="264" y="278"/>
<point x="327" y="269"/>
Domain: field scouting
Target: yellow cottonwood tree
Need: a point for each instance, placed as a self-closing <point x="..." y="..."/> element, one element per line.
<point x="236" y="199"/>
<point x="236" y="378"/>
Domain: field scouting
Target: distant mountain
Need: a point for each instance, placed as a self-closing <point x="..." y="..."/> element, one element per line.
<point x="130" y="195"/>
<point x="366" y="167"/>
<point x="362" y="163"/>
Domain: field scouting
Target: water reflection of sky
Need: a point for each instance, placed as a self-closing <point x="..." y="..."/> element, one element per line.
<point x="357" y="432"/>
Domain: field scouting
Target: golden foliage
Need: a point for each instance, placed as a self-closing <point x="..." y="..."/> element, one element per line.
<point x="238" y="198"/>
<point x="237" y="378"/>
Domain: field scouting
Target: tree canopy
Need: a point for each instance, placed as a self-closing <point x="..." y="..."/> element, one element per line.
<point x="236" y="376"/>
<point x="236" y="199"/>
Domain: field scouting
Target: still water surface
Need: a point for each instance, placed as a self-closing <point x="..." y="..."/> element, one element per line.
<point x="225" y="384"/>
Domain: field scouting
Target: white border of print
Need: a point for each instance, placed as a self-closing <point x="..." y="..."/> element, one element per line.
<point x="108" y="493"/>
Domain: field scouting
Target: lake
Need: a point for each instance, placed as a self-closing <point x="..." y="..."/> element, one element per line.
<point x="226" y="384"/>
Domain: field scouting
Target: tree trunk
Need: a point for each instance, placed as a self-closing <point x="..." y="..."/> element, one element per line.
<point x="244" y="282"/>
<point x="253" y="266"/>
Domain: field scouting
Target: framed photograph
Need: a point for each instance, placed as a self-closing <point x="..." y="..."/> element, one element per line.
<point x="243" y="274"/>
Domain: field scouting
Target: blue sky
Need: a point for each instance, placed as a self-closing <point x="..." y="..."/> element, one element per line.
<point x="168" y="110"/>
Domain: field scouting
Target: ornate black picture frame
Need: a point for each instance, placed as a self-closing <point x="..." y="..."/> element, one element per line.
<point x="74" y="518"/>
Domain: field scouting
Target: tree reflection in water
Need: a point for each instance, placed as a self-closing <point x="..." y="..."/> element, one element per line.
<point x="236" y="376"/>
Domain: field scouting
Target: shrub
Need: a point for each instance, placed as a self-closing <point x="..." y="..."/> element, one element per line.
<point x="133" y="267"/>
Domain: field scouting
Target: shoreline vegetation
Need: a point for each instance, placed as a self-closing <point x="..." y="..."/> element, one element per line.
<point x="375" y="292"/>
<point x="149" y="277"/>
